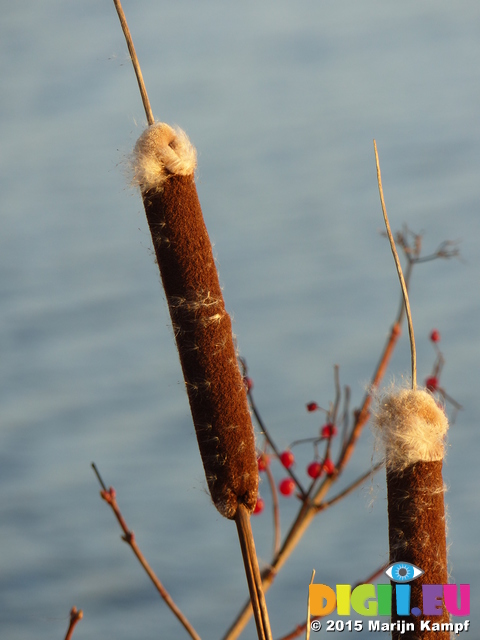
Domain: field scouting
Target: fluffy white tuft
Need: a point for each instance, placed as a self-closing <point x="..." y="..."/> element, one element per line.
<point x="410" y="427"/>
<point x="161" y="151"/>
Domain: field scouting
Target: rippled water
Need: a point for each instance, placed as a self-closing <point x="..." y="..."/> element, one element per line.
<point x="282" y="101"/>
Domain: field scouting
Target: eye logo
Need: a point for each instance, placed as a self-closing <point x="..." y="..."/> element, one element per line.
<point x="370" y="600"/>
<point x="403" y="572"/>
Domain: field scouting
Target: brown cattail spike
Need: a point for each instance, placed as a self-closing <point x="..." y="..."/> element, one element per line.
<point x="411" y="428"/>
<point x="164" y="163"/>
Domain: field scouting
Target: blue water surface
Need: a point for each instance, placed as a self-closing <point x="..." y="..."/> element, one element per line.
<point x="282" y="101"/>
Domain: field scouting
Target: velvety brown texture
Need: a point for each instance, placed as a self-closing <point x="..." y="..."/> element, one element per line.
<point x="203" y="333"/>
<point x="416" y="522"/>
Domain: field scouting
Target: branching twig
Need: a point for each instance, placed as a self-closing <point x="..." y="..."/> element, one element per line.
<point x="350" y="489"/>
<point x="128" y="536"/>
<point x="75" y="616"/>
<point x="270" y="440"/>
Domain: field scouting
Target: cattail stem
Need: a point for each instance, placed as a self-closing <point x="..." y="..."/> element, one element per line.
<point x="403" y="285"/>
<point x="412" y="429"/>
<point x="136" y="64"/>
<point x="254" y="580"/>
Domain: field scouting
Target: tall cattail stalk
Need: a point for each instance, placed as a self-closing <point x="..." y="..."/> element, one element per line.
<point x="164" y="166"/>
<point x="164" y="162"/>
<point x="412" y="429"/>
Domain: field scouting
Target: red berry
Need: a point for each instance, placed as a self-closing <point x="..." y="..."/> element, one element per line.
<point x="263" y="462"/>
<point x="328" y="467"/>
<point x="259" y="506"/>
<point x="312" y="406"/>
<point x="432" y="384"/>
<point x="248" y="382"/>
<point x="287" y="459"/>
<point x="314" y="469"/>
<point x="286" y="486"/>
<point x="329" y="430"/>
<point x="435" y="336"/>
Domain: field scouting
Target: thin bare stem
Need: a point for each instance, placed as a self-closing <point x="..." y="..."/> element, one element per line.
<point x="257" y="597"/>
<point x="338" y="394"/>
<point x="75" y="616"/>
<point x="136" y="64"/>
<point x="399" y="271"/>
<point x="346" y="406"/>
<point x="307" y="631"/>
<point x="276" y="511"/>
<point x="363" y="415"/>
<point x="350" y="489"/>
<point x="272" y="444"/>
<point x="99" y="477"/>
<point x="109" y="496"/>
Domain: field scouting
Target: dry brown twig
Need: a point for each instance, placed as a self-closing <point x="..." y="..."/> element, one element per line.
<point x="75" y="616"/>
<point x="109" y="496"/>
<point x="275" y="509"/>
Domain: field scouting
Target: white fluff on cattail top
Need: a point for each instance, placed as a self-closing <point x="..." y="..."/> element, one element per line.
<point x="162" y="151"/>
<point x="410" y="427"/>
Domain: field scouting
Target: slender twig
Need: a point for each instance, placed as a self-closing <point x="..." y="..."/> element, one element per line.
<point x="346" y="407"/>
<point x="362" y="415"/>
<point x="257" y="597"/>
<point x="75" y="616"/>
<point x="307" y="625"/>
<point x="271" y="442"/>
<point x="350" y="489"/>
<point x="136" y="64"/>
<point x="129" y="537"/>
<point x="276" y="510"/>
<point x="338" y="394"/>
<point x="399" y="271"/>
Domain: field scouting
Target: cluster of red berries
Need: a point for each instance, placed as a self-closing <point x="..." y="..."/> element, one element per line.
<point x="287" y="486"/>
<point x="316" y="468"/>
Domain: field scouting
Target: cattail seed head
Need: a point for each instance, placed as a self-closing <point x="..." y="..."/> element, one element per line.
<point x="164" y="163"/>
<point x="410" y="427"/>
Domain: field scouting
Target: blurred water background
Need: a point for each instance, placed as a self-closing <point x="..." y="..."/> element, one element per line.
<point x="282" y="100"/>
